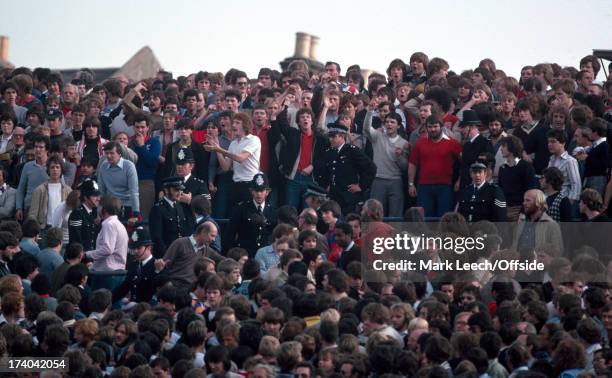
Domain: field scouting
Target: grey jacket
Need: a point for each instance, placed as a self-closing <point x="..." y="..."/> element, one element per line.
<point x="7" y="203"/>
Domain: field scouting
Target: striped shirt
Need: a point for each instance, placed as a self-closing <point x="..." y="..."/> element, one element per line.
<point x="571" y="175"/>
<point x="111" y="246"/>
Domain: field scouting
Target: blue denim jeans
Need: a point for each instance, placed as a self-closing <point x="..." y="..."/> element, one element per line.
<point x="435" y="199"/>
<point x="296" y="189"/>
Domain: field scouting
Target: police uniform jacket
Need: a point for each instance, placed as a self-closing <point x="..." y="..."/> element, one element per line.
<point x="167" y="223"/>
<point x="82" y="227"/>
<point x="339" y="169"/>
<point x="250" y="229"/>
<point x="200" y="155"/>
<point x="485" y="203"/>
<point x="138" y="281"/>
<point x="196" y="187"/>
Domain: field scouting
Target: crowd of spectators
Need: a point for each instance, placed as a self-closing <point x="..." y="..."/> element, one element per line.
<point x="216" y="225"/>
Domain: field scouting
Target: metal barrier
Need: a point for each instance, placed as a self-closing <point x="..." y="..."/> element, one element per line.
<point x="105" y="280"/>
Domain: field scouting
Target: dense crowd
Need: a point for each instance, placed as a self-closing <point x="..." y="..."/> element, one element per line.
<point x="216" y="225"/>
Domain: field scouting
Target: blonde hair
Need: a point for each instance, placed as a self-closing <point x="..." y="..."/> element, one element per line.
<point x="540" y="199"/>
<point x="406" y="310"/>
<point x="268" y="346"/>
<point x="331" y="314"/>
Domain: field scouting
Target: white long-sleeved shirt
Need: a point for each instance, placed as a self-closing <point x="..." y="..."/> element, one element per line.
<point x="111" y="246"/>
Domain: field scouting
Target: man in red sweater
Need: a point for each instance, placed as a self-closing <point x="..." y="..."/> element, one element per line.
<point x="434" y="158"/>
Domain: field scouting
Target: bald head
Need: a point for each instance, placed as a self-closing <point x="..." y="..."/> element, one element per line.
<point x="206" y="233"/>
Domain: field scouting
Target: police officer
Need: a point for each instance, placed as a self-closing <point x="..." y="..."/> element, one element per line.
<point x="345" y="169"/>
<point x="194" y="186"/>
<point x="83" y="223"/>
<point x="169" y="219"/>
<point x="314" y="198"/>
<point x="481" y="200"/>
<point x="252" y="221"/>
<point x="141" y="270"/>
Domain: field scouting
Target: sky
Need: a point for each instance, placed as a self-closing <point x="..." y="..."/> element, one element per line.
<point x="189" y="36"/>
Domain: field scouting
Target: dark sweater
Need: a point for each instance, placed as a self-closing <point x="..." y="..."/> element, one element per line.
<point x="565" y="207"/>
<point x="515" y="181"/>
<point x="537" y="144"/>
<point x="598" y="161"/>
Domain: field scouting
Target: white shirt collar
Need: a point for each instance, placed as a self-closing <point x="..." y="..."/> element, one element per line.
<point x="599" y="141"/>
<point x="340" y="148"/>
<point x="263" y="205"/>
<point x="194" y="243"/>
<point x="146" y="260"/>
<point x="186" y="177"/>
<point x="119" y="163"/>
<point x="348" y="247"/>
<point x="474" y="138"/>
<point x="516" y="161"/>
<point x="480" y="186"/>
<point x="169" y="201"/>
<point x="442" y="137"/>
<point x="87" y="209"/>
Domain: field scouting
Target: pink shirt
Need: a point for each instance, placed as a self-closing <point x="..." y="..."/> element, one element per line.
<point x="111" y="246"/>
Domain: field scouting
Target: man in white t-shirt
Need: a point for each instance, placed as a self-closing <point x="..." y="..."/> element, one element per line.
<point x="242" y="156"/>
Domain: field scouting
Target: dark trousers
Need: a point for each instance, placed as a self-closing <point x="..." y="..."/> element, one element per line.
<point x="240" y="193"/>
<point x="435" y="199"/>
<point x="221" y="206"/>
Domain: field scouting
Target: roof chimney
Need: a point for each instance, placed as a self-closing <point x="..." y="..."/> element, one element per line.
<point x="302" y="45"/>
<point x="4" y="48"/>
<point x="314" y="47"/>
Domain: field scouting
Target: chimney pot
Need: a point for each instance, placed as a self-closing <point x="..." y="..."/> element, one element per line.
<point x="314" y="48"/>
<point x="302" y="45"/>
<point x="4" y="48"/>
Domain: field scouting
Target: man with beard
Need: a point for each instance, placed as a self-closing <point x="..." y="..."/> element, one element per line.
<point x="536" y="228"/>
<point x="350" y="251"/>
<point x="155" y="104"/>
<point x="434" y="157"/>
<point x="9" y="247"/>
<point x="481" y="200"/>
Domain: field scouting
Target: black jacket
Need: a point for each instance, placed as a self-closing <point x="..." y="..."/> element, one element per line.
<point x="487" y="203"/>
<point x="196" y="187"/>
<point x="82" y="227"/>
<point x="469" y="155"/>
<point x="348" y="256"/>
<point x="291" y="143"/>
<point x="200" y="155"/>
<point x="250" y="229"/>
<point x="338" y="170"/>
<point x="167" y="224"/>
<point x="138" y="281"/>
